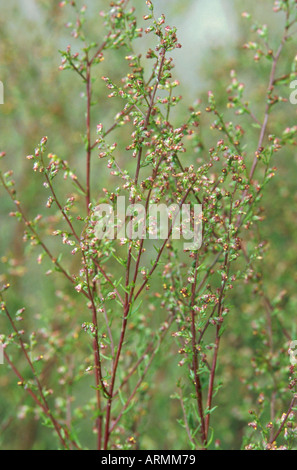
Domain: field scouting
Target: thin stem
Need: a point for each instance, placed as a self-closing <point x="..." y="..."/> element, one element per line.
<point x="195" y="361"/>
<point x="89" y="145"/>
<point x="275" y="436"/>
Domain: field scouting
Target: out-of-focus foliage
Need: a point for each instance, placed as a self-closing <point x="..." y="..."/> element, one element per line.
<point x="41" y="100"/>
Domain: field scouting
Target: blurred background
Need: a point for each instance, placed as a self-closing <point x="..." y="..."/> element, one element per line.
<point x="42" y="101"/>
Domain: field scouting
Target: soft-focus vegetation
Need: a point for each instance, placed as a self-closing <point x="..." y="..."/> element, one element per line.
<point x="244" y="299"/>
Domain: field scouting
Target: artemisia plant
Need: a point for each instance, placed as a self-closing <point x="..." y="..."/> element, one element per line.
<point x="152" y="158"/>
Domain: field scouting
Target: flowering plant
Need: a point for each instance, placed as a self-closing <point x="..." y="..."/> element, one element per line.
<point x="128" y="296"/>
